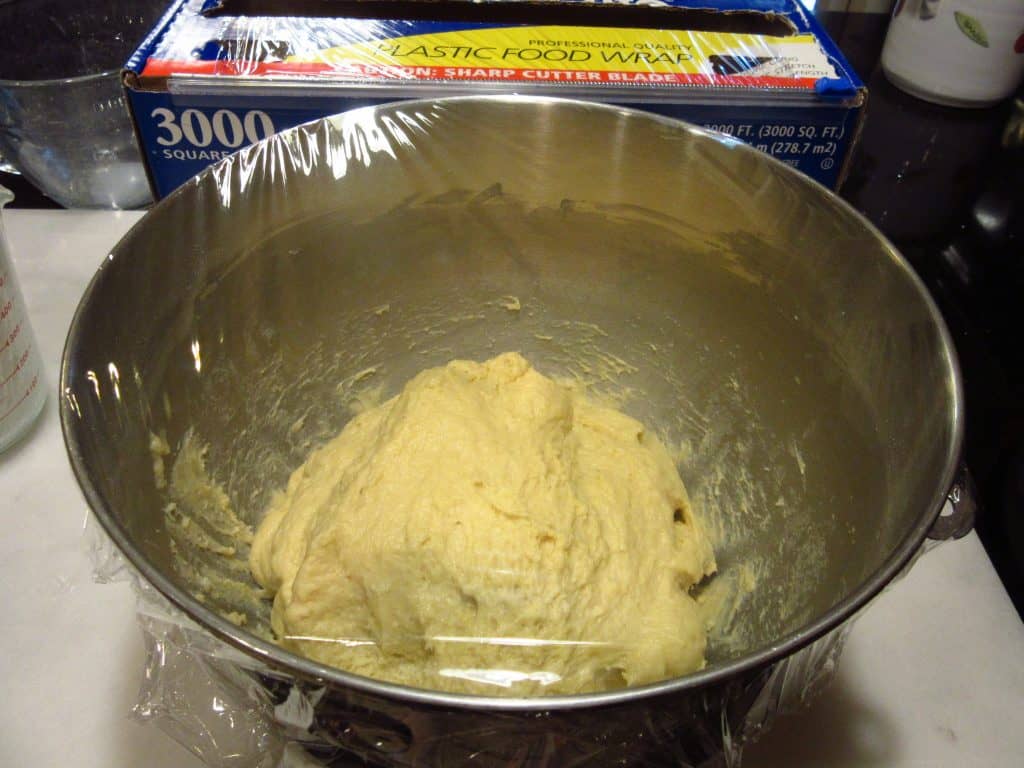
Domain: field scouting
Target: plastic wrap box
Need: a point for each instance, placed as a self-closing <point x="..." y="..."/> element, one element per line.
<point x="217" y="75"/>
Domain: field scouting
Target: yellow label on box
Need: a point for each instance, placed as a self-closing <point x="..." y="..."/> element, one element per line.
<point x="497" y="52"/>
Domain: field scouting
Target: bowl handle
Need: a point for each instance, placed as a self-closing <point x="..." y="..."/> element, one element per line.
<point x="957" y="517"/>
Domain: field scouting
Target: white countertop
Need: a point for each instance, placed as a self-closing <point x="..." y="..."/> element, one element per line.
<point x="933" y="674"/>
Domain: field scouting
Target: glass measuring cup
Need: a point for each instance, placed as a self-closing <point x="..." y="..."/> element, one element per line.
<point x="22" y="393"/>
<point x="64" y="123"/>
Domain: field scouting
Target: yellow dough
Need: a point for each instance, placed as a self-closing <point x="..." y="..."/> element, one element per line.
<point x="492" y="531"/>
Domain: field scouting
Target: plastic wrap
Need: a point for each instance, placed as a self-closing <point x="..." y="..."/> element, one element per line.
<point x="491" y="226"/>
<point x="233" y="712"/>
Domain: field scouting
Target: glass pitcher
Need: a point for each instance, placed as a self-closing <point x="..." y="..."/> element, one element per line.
<point x="22" y="392"/>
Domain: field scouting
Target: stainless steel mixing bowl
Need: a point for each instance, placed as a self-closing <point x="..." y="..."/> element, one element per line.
<point x="748" y="314"/>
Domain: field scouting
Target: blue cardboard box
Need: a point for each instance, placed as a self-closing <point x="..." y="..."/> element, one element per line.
<point x="217" y="75"/>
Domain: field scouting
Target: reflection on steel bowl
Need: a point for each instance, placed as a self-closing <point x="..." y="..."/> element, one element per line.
<point x="763" y="327"/>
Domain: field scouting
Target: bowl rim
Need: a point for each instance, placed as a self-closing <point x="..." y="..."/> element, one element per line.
<point x="281" y="660"/>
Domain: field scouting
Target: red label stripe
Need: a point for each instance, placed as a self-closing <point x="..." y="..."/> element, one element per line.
<point x="355" y="71"/>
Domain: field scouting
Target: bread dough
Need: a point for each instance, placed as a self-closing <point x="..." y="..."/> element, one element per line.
<point x="488" y="530"/>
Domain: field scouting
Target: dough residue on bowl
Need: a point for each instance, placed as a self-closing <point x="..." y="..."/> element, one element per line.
<point x="489" y="530"/>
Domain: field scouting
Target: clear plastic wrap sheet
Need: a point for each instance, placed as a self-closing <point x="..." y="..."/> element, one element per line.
<point x="233" y="712"/>
<point x="486" y="240"/>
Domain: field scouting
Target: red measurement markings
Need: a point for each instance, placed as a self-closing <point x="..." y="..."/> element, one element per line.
<point x="3" y="280"/>
<point x="5" y="310"/>
<point x="11" y="338"/>
<point x="31" y="388"/>
<point x="17" y="368"/>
